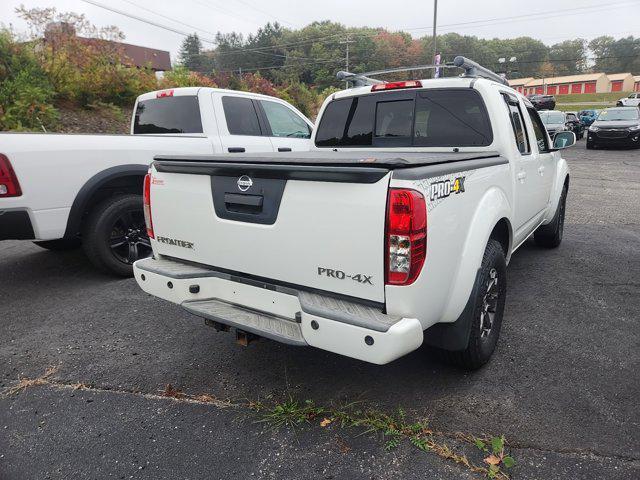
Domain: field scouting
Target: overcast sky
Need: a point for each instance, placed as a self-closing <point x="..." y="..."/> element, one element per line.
<point x="548" y="20"/>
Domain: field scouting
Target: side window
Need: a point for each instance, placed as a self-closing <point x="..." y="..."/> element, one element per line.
<point x="180" y="114"/>
<point x="241" y="116"/>
<point x="451" y="118"/>
<point x="347" y="123"/>
<point x="284" y="122"/>
<point x="517" y="124"/>
<point x="539" y="130"/>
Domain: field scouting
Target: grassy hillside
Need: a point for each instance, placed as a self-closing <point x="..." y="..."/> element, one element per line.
<point x="585" y="101"/>
<point x="591" y="97"/>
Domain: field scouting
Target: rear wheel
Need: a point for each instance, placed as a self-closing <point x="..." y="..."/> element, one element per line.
<point x="60" y="245"/>
<point x="550" y="235"/>
<point x="488" y="310"/>
<point x="115" y="236"/>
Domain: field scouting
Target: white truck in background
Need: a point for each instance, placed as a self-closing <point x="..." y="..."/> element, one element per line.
<point x="67" y="190"/>
<point x="394" y="231"/>
<point x="633" y="100"/>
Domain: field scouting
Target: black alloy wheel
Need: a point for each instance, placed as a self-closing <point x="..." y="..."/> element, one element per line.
<point x="128" y="239"/>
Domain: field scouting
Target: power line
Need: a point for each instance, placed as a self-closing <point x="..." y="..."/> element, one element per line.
<point x="543" y="15"/>
<point x="276" y="67"/>
<point x="607" y="57"/>
<point x="144" y="20"/>
<point x="168" y="18"/>
<point x="174" y="30"/>
<point x="495" y="20"/>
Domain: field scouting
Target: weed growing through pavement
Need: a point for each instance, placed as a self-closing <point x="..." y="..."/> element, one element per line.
<point x="393" y="427"/>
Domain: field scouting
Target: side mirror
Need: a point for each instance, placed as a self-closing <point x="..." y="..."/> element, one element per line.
<point x="563" y="140"/>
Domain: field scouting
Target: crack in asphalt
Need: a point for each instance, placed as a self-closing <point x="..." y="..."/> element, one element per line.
<point x="206" y="399"/>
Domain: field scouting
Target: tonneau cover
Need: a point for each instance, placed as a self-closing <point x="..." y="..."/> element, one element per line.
<point x="389" y="160"/>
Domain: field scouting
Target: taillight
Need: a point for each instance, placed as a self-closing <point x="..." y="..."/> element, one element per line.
<point x="9" y="186"/>
<point x="406" y="236"/>
<point x="164" y="93"/>
<point x="146" y="204"/>
<point x="396" y="85"/>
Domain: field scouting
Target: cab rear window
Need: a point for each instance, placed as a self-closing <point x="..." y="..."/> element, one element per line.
<point x="168" y="115"/>
<point x="426" y="118"/>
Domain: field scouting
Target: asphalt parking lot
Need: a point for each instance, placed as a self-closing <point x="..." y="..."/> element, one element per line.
<point x="563" y="386"/>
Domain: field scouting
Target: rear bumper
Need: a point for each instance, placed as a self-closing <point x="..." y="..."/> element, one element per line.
<point x="15" y="225"/>
<point x="280" y="313"/>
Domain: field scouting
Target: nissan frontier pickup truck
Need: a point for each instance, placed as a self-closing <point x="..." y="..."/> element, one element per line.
<point x="393" y="232"/>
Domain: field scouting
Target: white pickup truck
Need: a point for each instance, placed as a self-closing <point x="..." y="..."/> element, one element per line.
<point x="633" y="100"/>
<point x="393" y="232"/>
<point x="63" y="190"/>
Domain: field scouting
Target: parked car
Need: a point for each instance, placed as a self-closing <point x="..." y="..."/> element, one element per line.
<point x="554" y="121"/>
<point x="619" y="126"/>
<point x="63" y="190"/>
<point x="574" y="124"/>
<point x="587" y="117"/>
<point x="542" y="102"/>
<point x="633" y="100"/>
<point x="394" y="231"/>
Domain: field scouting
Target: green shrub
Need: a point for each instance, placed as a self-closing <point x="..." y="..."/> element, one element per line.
<point x="25" y="93"/>
<point x="180" y="76"/>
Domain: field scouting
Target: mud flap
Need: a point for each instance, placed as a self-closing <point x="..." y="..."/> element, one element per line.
<point x="454" y="336"/>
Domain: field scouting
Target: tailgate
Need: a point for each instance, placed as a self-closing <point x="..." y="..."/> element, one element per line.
<point x="309" y="226"/>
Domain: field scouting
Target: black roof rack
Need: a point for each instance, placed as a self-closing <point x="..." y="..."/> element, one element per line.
<point x="471" y="69"/>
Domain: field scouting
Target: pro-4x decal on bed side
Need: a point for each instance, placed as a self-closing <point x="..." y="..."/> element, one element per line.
<point x="445" y="188"/>
<point x="437" y="189"/>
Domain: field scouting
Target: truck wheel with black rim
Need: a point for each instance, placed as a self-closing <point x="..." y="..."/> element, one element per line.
<point x="114" y="234"/>
<point x="60" y="245"/>
<point x="550" y="235"/>
<point x="490" y="293"/>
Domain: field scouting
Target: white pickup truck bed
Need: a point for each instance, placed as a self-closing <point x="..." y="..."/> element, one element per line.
<point x="79" y="188"/>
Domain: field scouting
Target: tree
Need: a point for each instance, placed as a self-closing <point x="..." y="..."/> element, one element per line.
<point x="190" y="54"/>
<point x="83" y="63"/>
<point x="569" y="57"/>
<point x="613" y="56"/>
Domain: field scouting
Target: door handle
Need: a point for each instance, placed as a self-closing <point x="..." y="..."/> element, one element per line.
<point x="245" y="204"/>
<point x="236" y="149"/>
<point x="541" y="169"/>
<point x="521" y="176"/>
<point x="284" y="149"/>
<point x="248" y="200"/>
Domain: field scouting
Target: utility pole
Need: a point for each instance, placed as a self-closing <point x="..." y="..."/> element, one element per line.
<point x="347" y="42"/>
<point x="435" y="19"/>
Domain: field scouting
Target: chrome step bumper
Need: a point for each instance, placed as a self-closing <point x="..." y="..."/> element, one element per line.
<point x="270" y="326"/>
<point x="281" y="313"/>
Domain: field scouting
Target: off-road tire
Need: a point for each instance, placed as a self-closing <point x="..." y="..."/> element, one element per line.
<point x="481" y="343"/>
<point x="97" y="232"/>
<point x="550" y="235"/>
<point x="60" y="245"/>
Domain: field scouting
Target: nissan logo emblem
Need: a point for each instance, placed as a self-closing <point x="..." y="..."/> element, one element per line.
<point x="244" y="183"/>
